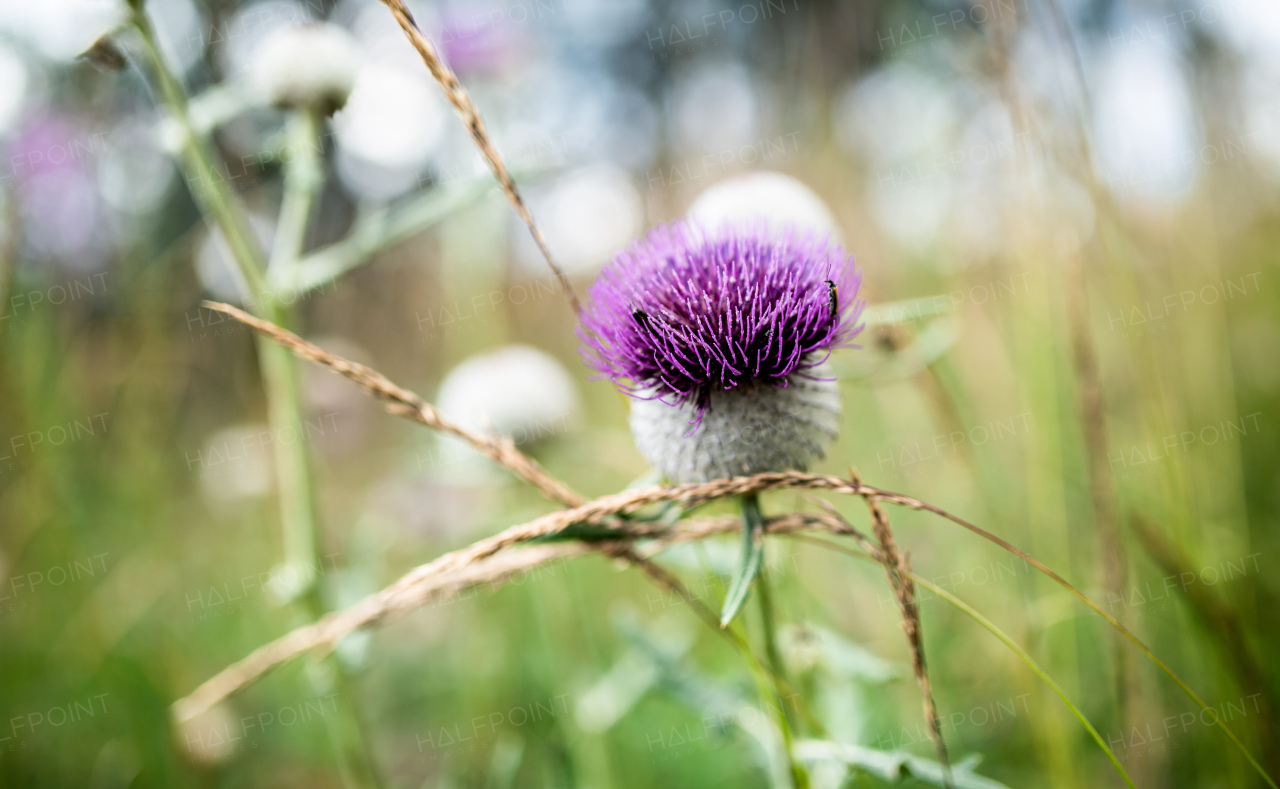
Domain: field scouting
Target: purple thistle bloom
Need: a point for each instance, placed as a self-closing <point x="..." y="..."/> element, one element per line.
<point x="681" y="314"/>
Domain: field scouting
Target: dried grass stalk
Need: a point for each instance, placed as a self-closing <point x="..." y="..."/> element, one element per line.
<point x="897" y="567"/>
<point x="409" y="405"/>
<point x="460" y="570"/>
<point x="402" y="402"/>
<point x="461" y="101"/>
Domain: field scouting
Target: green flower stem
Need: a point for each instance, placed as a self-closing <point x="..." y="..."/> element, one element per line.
<point x="279" y="369"/>
<point x="8" y="246"/>
<point x="753" y="523"/>
<point x="346" y="735"/>
<point x="207" y="186"/>
<point x="292" y="466"/>
<point x="303" y="177"/>
<point x="771" y="650"/>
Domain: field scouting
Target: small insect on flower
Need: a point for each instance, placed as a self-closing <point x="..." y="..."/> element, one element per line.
<point x="719" y="337"/>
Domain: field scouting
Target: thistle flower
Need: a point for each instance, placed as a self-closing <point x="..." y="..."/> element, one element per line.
<point x="309" y="67"/>
<point x="725" y="333"/>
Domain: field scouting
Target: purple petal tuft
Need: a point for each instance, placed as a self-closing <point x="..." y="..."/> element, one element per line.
<point x="681" y="313"/>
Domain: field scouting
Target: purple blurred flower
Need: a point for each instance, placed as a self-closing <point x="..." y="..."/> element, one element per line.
<point x="682" y="314"/>
<point x="52" y="165"/>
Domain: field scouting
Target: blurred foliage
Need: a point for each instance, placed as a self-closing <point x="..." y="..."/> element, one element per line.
<point x="140" y="548"/>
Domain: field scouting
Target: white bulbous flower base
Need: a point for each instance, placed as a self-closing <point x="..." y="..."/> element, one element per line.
<point x="748" y="430"/>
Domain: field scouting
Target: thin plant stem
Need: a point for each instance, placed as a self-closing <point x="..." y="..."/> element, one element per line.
<point x="753" y="529"/>
<point x="752" y="559"/>
<point x="769" y="684"/>
<point x="9" y="246"/>
<point x="377" y="229"/>
<point x="771" y="650"/>
<point x="278" y="367"/>
<point x="207" y="185"/>
<point x="470" y="114"/>
<point x="302" y="179"/>
<point x="293" y="474"/>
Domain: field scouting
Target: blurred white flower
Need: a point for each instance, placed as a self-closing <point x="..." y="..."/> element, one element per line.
<point x="522" y="392"/>
<point x="775" y="198"/>
<point x="237" y="39"/>
<point x="912" y="212"/>
<point x="587" y="216"/>
<point x="311" y="66"/>
<point x="393" y="121"/>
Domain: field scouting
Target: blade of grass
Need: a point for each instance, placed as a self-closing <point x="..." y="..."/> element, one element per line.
<point x="998" y="633"/>
<point x="1065" y="584"/>
<point x="1031" y="664"/>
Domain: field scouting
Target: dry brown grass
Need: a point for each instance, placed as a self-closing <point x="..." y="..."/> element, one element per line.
<point x="461" y="101"/>
<point x="485" y="561"/>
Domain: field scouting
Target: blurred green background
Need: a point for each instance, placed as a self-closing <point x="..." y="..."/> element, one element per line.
<point x="1072" y="204"/>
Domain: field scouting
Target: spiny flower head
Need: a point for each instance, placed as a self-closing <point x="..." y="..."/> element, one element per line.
<point x="684" y="313"/>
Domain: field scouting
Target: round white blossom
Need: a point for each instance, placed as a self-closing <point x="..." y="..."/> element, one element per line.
<point x="313" y="67"/>
<point x="763" y="196"/>
<point x="520" y="391"/>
